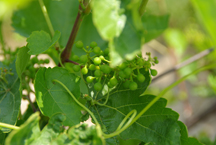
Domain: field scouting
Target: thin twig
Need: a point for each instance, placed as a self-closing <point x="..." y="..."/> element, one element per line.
<point x="186" y="62"/>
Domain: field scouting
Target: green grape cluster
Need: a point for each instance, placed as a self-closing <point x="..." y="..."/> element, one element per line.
<point x="31" y="70"/>
<point x="4" y="71"/>
<point x="94" y="65"/>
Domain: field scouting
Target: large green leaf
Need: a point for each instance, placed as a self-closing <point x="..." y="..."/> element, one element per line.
<point x="40" y="41"/>
<point x="206" y="12"/>
<point x="52" y="98"/>
<point x="185" y="140"/>
<point x="22" y="60"/>
<point x="154" y="25"/>
<point x="158" y="125"/>
<point x="10" y="98"/>
<point x="107" y="19"/>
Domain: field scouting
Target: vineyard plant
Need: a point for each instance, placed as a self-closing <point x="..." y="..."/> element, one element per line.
<point x="100" y="74"/>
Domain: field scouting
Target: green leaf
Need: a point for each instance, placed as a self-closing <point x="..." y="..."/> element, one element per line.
<point x="127" y="45"/>
<point x="154" y="25"/>
<point x="2" y="137"/>
<point x="40" y="41"/>
<point x="185" y="140"/>
<point x="22" y="60"/>
<point x="51" y="131"/>
<point x="206" y="12"/>
<point x="158" y="125"/>
<point x="62" y="15"/>
<point x="52" y="98"/>
<point x="27" y="132"/>
<point x="10" y="98"/>
<point x="107" y="19"/>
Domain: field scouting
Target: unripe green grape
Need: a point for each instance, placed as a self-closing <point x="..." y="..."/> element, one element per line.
<point x="32" y="69"/>
<point x="98" y="86"/>
<point x="128" y="71"/>
<point x="113" y="81"/>
<point x="133" y="86"/>
<point x="101" y="53"/>
<point x="109" y="85"/>
<point x="140" y="78"/>
<point x="97" y="50"/>
<point x="92" y="67"/>
<point x="90" y="79"/>
<point x="76" y="68"/>
<point x="123" y="65"/>
<point x="156" y="61"/>
<point x="153" y="72"/>
<point x="46" y="61"/>
<point x="34" y="60"/>
<point x="105" y="69"/>
<point x="147" y="64"/>
<point x="106" y="51"/>
<point x="98" y="73"/>
<point x="75" y="58"/>
<point x="84" y="70"/>
<point x="79" y="44"/>
<point x="101" y="57"/>
<point x="93" y="44"/>
<point x="122" y="74"/>
<point x="97" y="60"/>
<point x="84" y="58"/>
<point x="126" y="84"/>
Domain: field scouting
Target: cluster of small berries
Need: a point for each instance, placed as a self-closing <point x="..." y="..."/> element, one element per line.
<point x="95" y="67"/>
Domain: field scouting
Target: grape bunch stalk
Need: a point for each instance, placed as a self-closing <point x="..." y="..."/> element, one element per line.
<point x="95" y="67"/>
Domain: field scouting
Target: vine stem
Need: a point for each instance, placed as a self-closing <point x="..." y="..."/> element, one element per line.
<point x="67" y="51"/>
<point x="9" y="126"/>
<point x="170" y="87"/>
<point x="142" y="7"/>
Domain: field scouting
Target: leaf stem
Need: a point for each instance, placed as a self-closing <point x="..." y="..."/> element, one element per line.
<point x="9" y="126"/>
<point x="170" y="87"/>
<point x="142" y="7"/>
<point x="46" y="16"/>
<point x="81" y="105"/>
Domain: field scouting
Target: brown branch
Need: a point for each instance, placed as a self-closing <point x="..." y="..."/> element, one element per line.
<point x="186" y="62"/>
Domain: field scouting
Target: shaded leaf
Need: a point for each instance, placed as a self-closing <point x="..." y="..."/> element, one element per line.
<point x="154" y="25"/>
<point x="127" y="45"/>
<point x="185" y="140"/>
<point x="52" y="98"/>
<point x="40" y="41"/>
<point x="10" y="98"/>
<point x="22" y="60"/>
<point x="27" y="132"/>
<point x="107" y="19"/>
